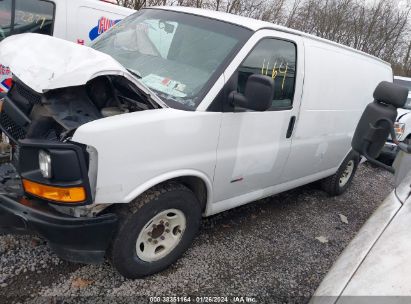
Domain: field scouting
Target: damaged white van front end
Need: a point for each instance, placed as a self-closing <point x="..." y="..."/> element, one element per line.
<point x="88" y="132"/>
<point x="59" y="86"/>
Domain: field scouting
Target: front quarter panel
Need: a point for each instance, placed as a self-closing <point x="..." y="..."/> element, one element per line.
<point x="137" y="150"/>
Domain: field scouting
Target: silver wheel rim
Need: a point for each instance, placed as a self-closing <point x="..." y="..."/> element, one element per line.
<point x="160" y="235"/>
<point x="345" y="177"/>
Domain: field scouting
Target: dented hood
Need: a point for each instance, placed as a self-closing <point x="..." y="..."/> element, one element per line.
<point x="45" y="63"/>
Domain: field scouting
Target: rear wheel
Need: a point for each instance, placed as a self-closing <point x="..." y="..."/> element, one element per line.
<point x="155" y="230"/>
<point x="339" y="182"/>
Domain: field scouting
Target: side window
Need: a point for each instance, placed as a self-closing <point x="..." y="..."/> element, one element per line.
<point x="277" y="59"/>
<point x="34" y="16"/>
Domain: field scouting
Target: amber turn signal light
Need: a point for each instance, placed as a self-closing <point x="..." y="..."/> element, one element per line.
<point x="57" y="194"/>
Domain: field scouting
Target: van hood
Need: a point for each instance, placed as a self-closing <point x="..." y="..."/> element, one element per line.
<point x="45" y="63"/>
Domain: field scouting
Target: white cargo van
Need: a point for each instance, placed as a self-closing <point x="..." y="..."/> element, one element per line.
<point x="80" y="21"/>
<point x="173" y="114"/>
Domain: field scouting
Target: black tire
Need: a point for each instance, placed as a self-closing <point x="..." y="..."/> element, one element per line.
<point x="134" y="217"/>
<point x="332" y="184"/>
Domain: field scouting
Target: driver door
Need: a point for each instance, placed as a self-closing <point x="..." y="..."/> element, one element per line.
<point x="254" y="146"/>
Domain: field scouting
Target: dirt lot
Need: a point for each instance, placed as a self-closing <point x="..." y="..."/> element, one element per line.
<point x="267" y="249"/>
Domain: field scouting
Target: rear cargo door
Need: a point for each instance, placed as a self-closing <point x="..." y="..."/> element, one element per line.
<point x="254" y="146"/>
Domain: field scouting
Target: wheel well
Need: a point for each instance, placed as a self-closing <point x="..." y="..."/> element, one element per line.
<point x="197" y="185"/>
<point x="194" y="183"/>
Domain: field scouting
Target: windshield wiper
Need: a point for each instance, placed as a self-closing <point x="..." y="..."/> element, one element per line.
<point x="135" y="73"/>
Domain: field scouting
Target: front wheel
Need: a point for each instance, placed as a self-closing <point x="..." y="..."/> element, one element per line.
<point x="155" y="230"/>
<point x="337" y="184"/>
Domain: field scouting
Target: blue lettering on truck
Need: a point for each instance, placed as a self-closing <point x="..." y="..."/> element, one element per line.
<point x="104" y="24"/>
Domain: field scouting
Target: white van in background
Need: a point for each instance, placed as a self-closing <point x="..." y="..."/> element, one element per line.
<point x="402" y="124"/>
<point x="80" y="21"/>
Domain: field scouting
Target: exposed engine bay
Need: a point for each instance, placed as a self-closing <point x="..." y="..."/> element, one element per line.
<point x="56" y="114"/>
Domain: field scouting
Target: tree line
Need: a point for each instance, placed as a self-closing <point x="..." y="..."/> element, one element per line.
<point x="381" y="27"/>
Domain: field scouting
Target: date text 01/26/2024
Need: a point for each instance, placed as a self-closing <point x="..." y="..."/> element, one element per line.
<point x="183" y="299"/>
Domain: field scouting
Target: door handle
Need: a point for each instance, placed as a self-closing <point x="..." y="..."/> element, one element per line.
<point x="290" y="127"/>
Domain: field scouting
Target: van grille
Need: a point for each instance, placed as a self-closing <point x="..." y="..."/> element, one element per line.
<point x="26" y="93"/>
<point x="11" y="128"/>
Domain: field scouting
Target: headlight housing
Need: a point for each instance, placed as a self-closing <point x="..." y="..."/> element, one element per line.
<point x="399" y="129"/>
<point x="45" y="164"/>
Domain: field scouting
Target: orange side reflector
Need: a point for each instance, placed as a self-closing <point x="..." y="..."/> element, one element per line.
<point x="58" y="194"/>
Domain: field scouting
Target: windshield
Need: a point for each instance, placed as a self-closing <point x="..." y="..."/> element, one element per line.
<point x="177" y="55"/>
<point x="407" y="84"/>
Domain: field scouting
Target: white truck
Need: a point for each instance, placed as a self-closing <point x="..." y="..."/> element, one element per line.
<point x="402" y="123"/>
<point x="173" y="114"/>
<point x="79" y="21"/>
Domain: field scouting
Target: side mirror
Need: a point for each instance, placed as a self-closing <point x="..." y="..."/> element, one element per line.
<point x="377" y="122"/>
<point x="166" y="26"/>
<point x="258" y="94"/>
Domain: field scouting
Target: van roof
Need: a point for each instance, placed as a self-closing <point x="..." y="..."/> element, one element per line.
<point x="105" y="3"/>
<point x="255" y="25"/>
<point x="109" y="1"/>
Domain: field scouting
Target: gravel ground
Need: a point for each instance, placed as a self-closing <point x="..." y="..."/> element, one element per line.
<point x="267" y="249"/>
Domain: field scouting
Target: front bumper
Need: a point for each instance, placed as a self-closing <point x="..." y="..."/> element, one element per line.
<point x="80" y="240"/>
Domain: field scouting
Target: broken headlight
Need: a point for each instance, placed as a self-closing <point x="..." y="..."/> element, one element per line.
<point x="45" y="164"/>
